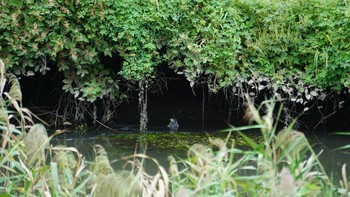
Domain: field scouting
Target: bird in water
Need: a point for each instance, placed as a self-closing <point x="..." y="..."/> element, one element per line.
<point x="173" y="125"/>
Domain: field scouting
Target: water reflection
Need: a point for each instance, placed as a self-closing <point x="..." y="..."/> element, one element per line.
<point x="331" y="158"/>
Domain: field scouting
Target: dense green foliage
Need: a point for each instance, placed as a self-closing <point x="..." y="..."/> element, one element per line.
<point x="295" y="47"/>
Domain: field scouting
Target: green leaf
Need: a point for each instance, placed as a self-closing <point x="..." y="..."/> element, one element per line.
<point x="55" y="178"/>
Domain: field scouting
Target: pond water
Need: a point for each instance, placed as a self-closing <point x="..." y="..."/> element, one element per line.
<point x="128" y="140"/>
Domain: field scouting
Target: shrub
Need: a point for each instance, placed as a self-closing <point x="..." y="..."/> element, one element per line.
<point x="276" y="45"/>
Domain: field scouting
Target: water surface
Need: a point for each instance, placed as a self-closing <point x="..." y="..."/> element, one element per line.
<point x="121" y="142"/>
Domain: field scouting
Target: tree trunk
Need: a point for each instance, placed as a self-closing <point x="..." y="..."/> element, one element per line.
<point x="143" y="85"/>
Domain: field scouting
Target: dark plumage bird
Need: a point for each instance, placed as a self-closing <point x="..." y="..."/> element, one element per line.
<point x="173" y="125"/>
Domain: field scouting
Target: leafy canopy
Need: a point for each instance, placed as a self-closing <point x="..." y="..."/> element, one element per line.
<point x="278" y="45"/>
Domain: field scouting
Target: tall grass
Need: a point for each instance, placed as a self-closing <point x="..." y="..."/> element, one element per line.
<point x="131" y="181"/>
<point x="284" y="164"/>
<point x="31" y="166"/>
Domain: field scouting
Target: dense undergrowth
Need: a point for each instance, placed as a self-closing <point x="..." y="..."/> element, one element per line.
<point x="296" y="49"/>
<point x="284" y="164"/>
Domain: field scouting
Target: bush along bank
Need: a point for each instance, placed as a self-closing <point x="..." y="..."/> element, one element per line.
<point x="295" y="49"/>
